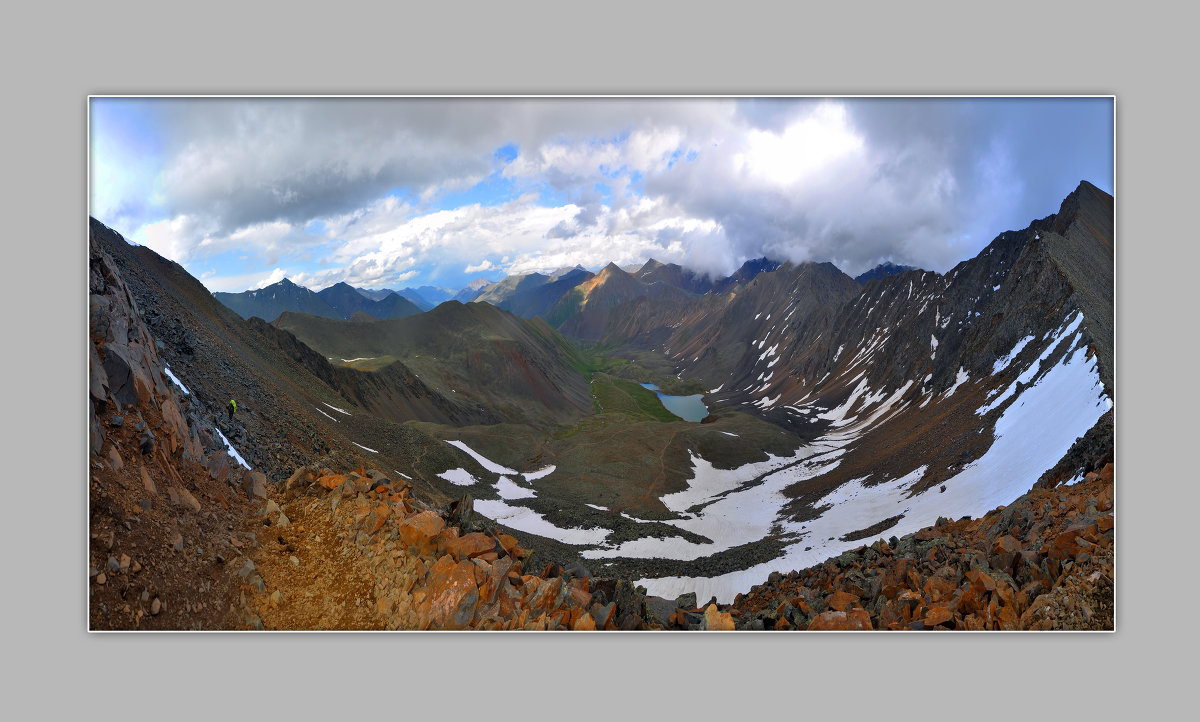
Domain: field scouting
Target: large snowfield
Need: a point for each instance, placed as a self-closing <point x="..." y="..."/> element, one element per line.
<point x="1049" y="408"/>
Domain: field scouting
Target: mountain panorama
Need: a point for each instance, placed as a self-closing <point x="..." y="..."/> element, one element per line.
<point x="647" y="447"/>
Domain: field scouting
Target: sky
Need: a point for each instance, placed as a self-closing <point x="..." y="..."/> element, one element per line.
<point x="406" y="192"/>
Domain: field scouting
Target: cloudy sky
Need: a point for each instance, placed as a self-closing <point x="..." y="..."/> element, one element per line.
<point x="408" y="192"/>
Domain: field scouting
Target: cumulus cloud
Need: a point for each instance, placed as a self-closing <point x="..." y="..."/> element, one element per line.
<point x="358" y="189"/>
<point x="273" y="277"/>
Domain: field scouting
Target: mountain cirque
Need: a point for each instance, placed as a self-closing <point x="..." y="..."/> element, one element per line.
<point x="850" y="425"/>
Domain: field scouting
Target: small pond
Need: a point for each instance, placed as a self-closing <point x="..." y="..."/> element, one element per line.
<point x="688" y="408"/>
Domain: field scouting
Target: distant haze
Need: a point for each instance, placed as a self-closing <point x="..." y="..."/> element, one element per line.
<point x="410" y="192"/>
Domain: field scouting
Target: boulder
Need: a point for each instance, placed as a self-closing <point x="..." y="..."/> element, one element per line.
<point x="1004" y="553"/>
<point x="330" y="482"/>
<point x="185" y="498"/>
<point x="548" y="596"/>
<point x="509" y="544"/>
<point x="841" y="601"/>
<point x="585" y="623"/>
<point x="939" y="614"/>
<point x="660" y="610"/>
<point x="419" y="530"/>
<point x="300" y="479"/>
<point x="446" y="584"/>
<point x="119" y="370"/>
<point x="854" y="620"/>
<point x="256" y="485"/>
<point x="472" y="545"/>
<point x="716" y="620"/>
<point x="459" y="512"/>
<point x="148" y="483"/>
<point x="114" y="459"/>
<point x="178" y="434"/>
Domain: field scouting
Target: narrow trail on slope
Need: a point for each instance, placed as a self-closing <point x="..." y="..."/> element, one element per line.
<point x="328" y="586"/>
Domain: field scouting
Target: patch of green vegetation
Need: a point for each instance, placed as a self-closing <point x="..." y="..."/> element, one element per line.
<point x="587" y="361"/>
<point x="669" y="385"/>
<point x="617" y="395"/>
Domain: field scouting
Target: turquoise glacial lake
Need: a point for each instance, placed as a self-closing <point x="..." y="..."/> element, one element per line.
<point x="688" y="408"/>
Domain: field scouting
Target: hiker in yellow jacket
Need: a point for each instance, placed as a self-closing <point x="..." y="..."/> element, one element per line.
<point x="232" y="409"/>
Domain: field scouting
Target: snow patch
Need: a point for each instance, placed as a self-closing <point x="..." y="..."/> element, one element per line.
<point x="1032" y="371"/>
<point x="459" y="477"/>
<point x="529" y="521"/>
<point x="232" y="451"/>
<point x="167" y="371"/>
<point x="959" y="379"/>
<point x="1003" y="363"/>
<point x="364" y="447"/>
<point x="508" y="489"/>
<point x="483" y="461"/>
<point x="343" y="411"/>
<point x="1031" y="436"/>
<point x="535" y="475"/>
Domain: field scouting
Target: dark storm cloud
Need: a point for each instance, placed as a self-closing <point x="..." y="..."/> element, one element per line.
<point x="707" y="183"/>
<point x="936" y="180"/>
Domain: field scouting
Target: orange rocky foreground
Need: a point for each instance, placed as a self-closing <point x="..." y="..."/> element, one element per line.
<point x="358" y="551"/>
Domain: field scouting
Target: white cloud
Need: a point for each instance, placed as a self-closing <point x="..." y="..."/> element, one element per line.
<point x="236" y="283"/>
<point x="174" y="238"/>
<point x="802" y="151"/>
<point x="274" y="277"/>
<point x="706" y="183"/>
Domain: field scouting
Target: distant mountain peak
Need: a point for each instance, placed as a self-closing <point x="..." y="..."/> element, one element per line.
<point x="883" y="270"/>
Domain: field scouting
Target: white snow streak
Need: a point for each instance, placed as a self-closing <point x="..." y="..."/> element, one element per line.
<point x="483" y="461"/>
<point x="534" y="475"/>
<point x="343" y="411"/>
<point x="528" y="520"/>
<point x="232" y="451"/>
<point x="167" y="371"/>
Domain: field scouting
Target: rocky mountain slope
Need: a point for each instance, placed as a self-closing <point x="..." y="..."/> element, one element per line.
<point x="485" y="362"/>
<point x="468" y="292"/>
<point x="1046" y="561"/>
<point x="837" y="414"/>
<point x="348" y="301"/>
<point x="532" y="294"/>
<point x="169" y="511"/>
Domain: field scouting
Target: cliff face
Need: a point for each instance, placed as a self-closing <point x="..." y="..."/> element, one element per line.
<point x="124" y="369"/>
<point x="169" y="509"/>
